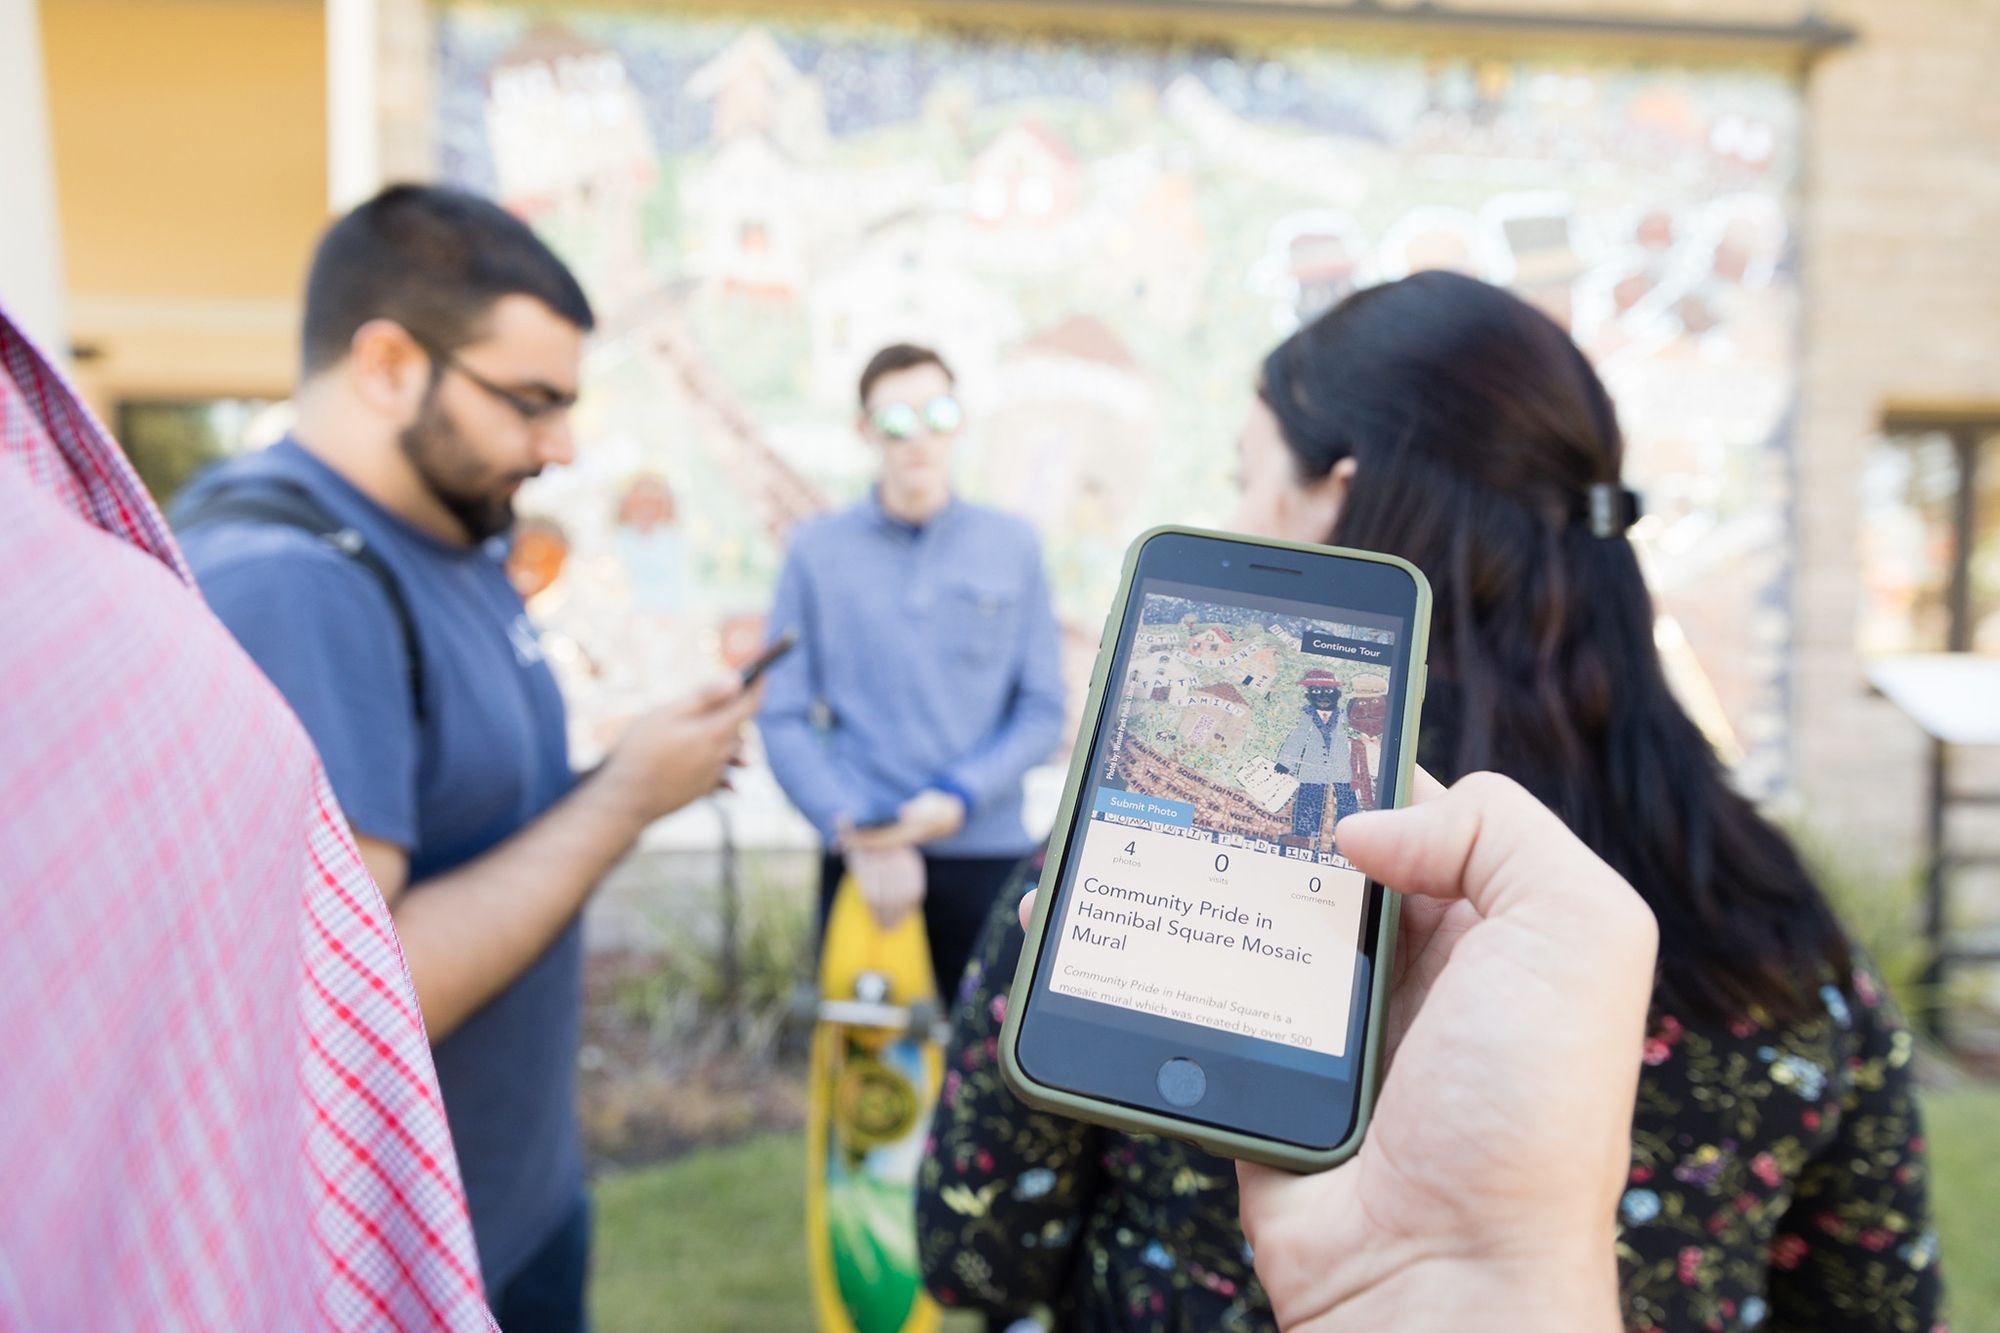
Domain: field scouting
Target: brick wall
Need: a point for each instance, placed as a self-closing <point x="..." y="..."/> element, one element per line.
<point x="1902" y="266"/>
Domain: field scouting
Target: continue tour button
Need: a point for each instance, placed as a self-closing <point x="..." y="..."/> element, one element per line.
<point x="1321" y="644"/>
<point x="1153" y="809"/>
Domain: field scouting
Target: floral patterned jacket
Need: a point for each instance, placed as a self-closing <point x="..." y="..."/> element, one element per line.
<point x="1777" y="1182"/>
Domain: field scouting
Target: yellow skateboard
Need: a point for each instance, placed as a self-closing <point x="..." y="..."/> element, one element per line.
<point x="876" y="1068"/>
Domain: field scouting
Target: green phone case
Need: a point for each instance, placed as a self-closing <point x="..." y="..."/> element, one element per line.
<point x="1226" y="1143"/>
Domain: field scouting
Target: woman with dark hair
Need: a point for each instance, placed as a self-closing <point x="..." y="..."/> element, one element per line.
<point x="1778" y="1173"/>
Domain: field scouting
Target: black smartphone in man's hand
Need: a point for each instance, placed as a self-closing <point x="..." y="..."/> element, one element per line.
<point x="765" y="660"/>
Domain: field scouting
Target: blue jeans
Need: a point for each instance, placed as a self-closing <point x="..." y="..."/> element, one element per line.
<point x="546" y="1296"/>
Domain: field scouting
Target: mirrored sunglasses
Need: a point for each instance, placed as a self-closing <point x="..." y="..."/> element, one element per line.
<point x="900" y="421"/>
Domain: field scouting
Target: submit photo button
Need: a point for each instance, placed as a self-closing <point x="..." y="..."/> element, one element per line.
<point x="1181" y="1081"/>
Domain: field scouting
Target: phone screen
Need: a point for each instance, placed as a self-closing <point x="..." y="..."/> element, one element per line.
<point x="1204" y="908"/>
<point x="1210" y="888"/>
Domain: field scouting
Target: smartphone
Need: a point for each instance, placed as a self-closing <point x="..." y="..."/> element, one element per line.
<point x="765" y="660"/>
<point x="1202" y="962"/>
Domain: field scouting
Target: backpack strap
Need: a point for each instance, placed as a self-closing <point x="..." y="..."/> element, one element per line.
<point x="285" y="505"/>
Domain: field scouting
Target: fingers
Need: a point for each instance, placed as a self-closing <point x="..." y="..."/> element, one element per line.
<point x="1479" y="840"/>
<point x="889" y="915"/>
<point x="745" y="704"/>
<point x="1287" y="1218"/>
<point x="870" y="839"/>
<point x="1255" y="1184"/>
<point x="892" y="883"/>
<point x="723" y="703"/>
<point x="929" y="816"/>
<point x="1028" y="907"/>
<point x="1488" y="841"/>
<point x="866" y="841"/>
<point x="716" y="692"/>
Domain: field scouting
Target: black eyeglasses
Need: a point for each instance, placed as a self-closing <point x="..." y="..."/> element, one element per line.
<point x="530" y="409"/>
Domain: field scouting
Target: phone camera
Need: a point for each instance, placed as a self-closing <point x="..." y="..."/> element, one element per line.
<point x="1225" y="564"/>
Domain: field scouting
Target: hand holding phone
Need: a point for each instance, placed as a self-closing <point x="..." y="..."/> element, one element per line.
<point x="1523" y="1201"/>
<point x="1483" y="851"/>
<point x="1203" y="962"/>
<point x="681" y="751"/>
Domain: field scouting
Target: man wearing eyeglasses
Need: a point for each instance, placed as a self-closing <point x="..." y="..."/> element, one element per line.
<point x="359" y="562"/>
<point x="927" y="680"/>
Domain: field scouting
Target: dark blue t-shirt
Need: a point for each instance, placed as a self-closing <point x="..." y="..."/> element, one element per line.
<point x="488" y="757"/>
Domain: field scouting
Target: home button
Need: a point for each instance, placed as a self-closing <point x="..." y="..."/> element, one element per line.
<point x="1181" y="1081"/>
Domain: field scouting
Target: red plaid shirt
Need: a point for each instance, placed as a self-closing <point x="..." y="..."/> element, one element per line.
<point x="217" y="1105"/>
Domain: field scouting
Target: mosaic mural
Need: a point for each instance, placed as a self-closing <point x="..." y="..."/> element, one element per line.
<point x="1103" y="238"/>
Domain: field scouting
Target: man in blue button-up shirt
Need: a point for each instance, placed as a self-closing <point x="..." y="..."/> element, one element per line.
<point x="927" y="680"/>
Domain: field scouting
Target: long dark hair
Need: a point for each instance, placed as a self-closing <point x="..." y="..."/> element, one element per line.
<point x="1478" y="430"/>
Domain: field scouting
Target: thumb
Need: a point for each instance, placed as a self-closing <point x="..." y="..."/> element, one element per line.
<point x="1486" y="840"/>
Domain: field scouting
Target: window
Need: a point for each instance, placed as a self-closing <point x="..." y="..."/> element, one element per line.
<point x="1930" y="538"/>
<point x="169" y="440"/>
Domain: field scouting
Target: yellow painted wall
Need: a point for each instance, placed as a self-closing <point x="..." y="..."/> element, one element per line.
<point x="190" y="157"/>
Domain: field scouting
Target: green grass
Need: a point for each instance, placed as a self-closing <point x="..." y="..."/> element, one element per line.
<point x="715" y="1243"/>
<point x="711" y="1243"/>
<point x="1964" y="1132"/>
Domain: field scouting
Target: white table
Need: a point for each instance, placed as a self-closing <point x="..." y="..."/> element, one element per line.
<point x="1955" y="699"/>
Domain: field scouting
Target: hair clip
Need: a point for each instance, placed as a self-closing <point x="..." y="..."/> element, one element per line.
<point x="1613" y="508"/>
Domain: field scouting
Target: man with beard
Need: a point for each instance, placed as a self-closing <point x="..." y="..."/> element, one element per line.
<point x="360" y="562"/>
